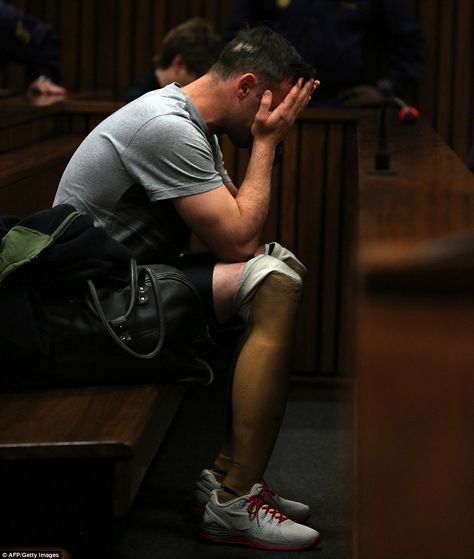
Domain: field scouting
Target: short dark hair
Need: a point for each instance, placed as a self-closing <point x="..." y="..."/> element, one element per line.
<point x="264" y="52"/>
<point x="196" y="41"/>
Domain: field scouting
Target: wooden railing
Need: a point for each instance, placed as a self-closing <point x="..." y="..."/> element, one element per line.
<point x="414" y="351"/>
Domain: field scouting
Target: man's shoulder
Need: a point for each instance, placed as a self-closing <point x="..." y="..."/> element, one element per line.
<point x="156" y="112"/>
<point x="167" y="98"/>
<point x="162" y="105"/>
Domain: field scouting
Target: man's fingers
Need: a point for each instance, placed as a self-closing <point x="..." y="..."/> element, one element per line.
<point x="264" y="110"/>
<point x="311" y="89"/>
<point x="282" y="118"/>
<point x="265" y="102"/>
<point x="294" y="94"/>
<point x="302" y="94"/>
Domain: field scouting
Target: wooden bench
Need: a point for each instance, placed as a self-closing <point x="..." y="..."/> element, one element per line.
<point x="122" y="425"/>
<point x="94" y="437"/>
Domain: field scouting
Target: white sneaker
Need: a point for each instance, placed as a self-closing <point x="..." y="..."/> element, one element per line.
<point x="298" y="512"/>
<point x="250" y="521"/>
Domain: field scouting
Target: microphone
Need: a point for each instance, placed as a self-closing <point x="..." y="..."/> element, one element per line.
<point x="407" y="115"/>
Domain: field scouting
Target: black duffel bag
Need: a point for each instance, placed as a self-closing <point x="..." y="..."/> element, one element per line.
<point x="106" y="329"/>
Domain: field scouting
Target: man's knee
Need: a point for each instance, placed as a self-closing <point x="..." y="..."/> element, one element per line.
<point x="285" y="282"/>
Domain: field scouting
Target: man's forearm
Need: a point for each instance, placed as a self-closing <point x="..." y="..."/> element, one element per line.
<point x="231" y="225"/>
<point x="253" y="197"/>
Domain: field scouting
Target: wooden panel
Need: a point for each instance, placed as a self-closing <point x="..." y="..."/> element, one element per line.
<point x="88" y="44"/>
<point x="159" y="26"/>
<point x="32" y="193"/>
<point x="445" y="72"/>
<point x="331" y="233"/>
<point x="142" y="46"/>
<point x="106" y="52"/>
<point x="428" y="15"/>
<point x="310" y="202"/>
<point x="289" y="179"/>
<point x="109" y="44"/>
<point x="30" y="132"/>
<point x="18" y="164"/>
<point x="124" y="65"/>
<point x="68" y="29"/>
<point x="415" y="429"/>
<point x="462" y="128"/>
<point x="414" y="354"/>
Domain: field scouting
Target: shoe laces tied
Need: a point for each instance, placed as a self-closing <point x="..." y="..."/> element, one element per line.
<point x="274" y="496"/>
<point x="257" y="502"/>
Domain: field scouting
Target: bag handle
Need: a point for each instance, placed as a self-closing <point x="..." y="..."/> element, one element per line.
<point x="131" y="305"/>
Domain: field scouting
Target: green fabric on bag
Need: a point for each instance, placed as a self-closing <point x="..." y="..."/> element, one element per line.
<point x="19" y="246"/>
<point x="22" y="244"/>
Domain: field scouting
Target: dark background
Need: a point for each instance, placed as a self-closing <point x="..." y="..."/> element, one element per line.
<point x="106" y="44"/>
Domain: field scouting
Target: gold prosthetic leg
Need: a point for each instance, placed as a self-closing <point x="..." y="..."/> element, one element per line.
<point x="223" y="461"/>
<point x="260" y="382"/>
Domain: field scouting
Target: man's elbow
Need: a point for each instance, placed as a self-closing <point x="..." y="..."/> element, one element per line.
<point x="237" y="252"/>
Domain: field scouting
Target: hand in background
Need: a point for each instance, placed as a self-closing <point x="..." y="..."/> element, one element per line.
<point x="42" y="86"/>
<point x="361" y="96"/>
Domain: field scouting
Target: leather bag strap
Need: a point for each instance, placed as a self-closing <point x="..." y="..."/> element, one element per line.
<point x="107" y="323"/>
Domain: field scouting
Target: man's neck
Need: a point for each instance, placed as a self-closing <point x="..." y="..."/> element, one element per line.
<point x="209" y="97"/>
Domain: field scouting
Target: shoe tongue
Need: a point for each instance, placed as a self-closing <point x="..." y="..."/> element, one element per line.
<point x="256" y="489"/>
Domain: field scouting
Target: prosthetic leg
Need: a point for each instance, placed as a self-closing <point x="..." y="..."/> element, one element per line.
<point x="267" y="299"/>
<point x="243" y="510"/>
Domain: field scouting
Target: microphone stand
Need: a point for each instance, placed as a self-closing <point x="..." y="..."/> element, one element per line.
<point x="408" y="115"/>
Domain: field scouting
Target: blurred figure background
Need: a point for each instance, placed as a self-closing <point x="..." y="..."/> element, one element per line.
<point x="187" y="53"/>
<point x="337" y="37"/>
<point x="27" y="40"/>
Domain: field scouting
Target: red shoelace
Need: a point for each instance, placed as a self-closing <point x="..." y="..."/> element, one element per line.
<point x="257" y="502"/>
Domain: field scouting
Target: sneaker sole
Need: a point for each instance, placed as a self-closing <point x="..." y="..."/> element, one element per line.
<point x="249" y="542"/>
<point x="198" y="512"/>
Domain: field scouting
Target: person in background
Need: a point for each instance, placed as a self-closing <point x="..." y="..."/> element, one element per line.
<point x="27" y="40"/>
<point x="187" y="53"/>
<point x="332" y="34"/>
<point x="151" y="174"/>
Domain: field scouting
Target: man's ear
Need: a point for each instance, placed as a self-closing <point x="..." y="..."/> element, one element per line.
<point x="246" y="84"/>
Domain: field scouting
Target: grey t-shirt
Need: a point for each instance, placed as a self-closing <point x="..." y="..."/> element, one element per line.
<point x="130" y="167"/>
